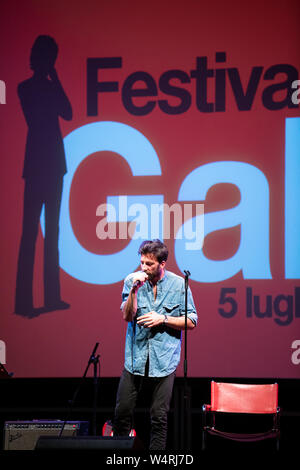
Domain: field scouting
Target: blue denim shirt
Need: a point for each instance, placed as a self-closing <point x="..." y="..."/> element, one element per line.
<point x="161" y="343"/>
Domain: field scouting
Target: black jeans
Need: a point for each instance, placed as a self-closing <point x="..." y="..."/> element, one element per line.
<point x="161" y="390"/>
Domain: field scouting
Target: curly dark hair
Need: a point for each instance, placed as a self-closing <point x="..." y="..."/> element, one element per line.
<point x="155" y="248"/>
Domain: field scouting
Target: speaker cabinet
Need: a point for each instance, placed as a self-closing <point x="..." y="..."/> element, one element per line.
<point x="101" y="443"/>
<point x="23" y="435"/>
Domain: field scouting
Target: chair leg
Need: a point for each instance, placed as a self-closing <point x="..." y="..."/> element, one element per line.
<point x="203" y="439"/>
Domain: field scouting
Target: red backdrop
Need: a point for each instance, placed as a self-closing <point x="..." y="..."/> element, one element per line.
<point x="154" y="38"/>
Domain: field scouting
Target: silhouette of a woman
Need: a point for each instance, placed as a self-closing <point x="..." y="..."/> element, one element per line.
<point x="43" y="100"/>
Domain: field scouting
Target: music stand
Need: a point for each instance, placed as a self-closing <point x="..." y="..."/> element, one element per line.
<point x="3" y="372"/>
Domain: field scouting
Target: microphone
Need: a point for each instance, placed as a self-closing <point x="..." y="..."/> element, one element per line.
<point x="139" y="283"/>
<point x="136" y="284"/>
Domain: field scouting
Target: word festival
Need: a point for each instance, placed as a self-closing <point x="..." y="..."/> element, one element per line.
<point x="205" y="80"/>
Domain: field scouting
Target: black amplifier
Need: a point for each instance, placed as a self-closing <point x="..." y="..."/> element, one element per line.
<point x="23" y="435"/>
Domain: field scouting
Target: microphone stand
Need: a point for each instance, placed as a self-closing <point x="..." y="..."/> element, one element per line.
<point x="186" y="285"/>
<point x="92" y="360"/>
<point x="95" y="360"/>
<point x="186" y="396"/>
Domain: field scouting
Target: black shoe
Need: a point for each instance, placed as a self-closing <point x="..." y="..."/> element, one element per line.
<point x="59" y="305"/>
<point x="24" y="310"/>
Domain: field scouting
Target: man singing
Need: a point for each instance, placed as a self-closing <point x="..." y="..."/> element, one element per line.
<point x="153" y="304"/>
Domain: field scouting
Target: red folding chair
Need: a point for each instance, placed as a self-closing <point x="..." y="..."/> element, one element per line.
<point x="242" y="399"/>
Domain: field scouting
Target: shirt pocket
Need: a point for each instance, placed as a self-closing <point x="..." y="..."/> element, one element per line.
<point x="172" y="309"/>
<point x="141" y="310"/>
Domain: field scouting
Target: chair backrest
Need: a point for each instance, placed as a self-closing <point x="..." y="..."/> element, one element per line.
<point x="244" y="398"/>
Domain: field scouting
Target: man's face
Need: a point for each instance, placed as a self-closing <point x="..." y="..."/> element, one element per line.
<point x="151" y="266"/>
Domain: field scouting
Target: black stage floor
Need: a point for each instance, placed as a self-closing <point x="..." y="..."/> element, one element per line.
<point x="48" y="399"/>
